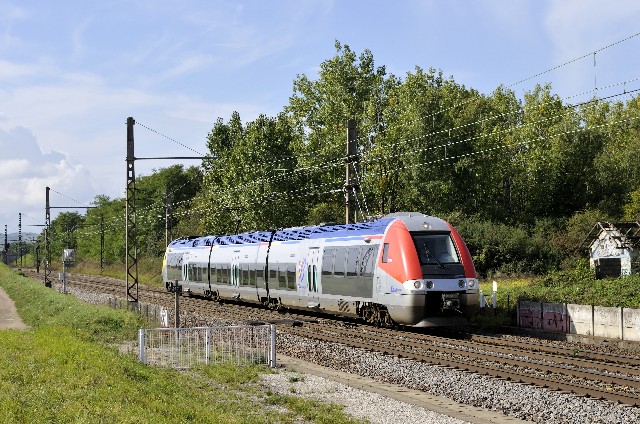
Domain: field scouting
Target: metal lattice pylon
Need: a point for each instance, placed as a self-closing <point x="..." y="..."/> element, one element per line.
<point x="131" y="245"/>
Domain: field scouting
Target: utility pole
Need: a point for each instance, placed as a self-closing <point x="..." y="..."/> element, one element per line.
<point x="101" y="243"/>
<point x="167" y="217"/>
<point x="20" y="237"/>
<point x="38" y="257"/>
<point x="47" y="248"/>
<point x="5" y="247"/>
<point x="351" y="157"/>
<point x="131" y="245"/>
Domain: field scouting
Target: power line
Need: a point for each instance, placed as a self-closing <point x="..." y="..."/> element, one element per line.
<point x="574" y="60"/>
<point x="168" y="138"/>
<point x="70" y="198"/>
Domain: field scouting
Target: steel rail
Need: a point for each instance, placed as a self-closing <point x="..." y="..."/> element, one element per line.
<point x="476" y="368"/>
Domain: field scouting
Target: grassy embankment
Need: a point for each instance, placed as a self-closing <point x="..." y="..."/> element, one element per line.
<point x="67" y="368"/>
<point x="577" y="286"/>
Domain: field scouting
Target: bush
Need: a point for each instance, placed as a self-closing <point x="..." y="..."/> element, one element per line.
<point x="514" y="250"/>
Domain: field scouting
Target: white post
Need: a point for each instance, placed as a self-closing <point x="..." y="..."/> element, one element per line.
<point x="272" y="360"/>
<point x="64" y="277"/>
<point x="141" y="345"/>
<point x="494" y="296"/>
<point x="207" y="335"/>
<point x="482" y="305"/>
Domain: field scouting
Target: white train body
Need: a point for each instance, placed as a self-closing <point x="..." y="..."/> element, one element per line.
<point x="408" y="269"/>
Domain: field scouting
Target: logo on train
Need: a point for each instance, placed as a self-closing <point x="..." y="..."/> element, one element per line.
<point x="300" y="271"/>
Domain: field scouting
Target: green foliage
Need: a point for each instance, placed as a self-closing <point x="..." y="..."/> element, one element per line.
<point x="499" y="248"/>
<point x="43" y="307"/>
<point x="578" y="285"/>
<point x="253" y="182"/>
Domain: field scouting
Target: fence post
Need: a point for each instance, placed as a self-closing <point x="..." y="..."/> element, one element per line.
<point x="207" y="344"/>
<point x="272" y="360"/>
<point x="141" y="342"/>
<point x="621" y="323"/>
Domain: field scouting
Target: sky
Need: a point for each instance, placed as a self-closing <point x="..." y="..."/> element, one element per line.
<point x="71" y="72"/>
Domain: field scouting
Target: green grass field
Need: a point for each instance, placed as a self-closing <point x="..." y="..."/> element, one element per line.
<point x="67" y="369"/>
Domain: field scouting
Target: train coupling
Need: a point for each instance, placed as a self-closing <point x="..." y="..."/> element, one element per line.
<point x="450" y="301"/>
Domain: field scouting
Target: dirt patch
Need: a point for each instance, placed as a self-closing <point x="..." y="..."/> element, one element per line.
<point x="9" y="318"/>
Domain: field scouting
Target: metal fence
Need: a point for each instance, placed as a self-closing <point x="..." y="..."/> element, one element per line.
<point x="187" y="347"/>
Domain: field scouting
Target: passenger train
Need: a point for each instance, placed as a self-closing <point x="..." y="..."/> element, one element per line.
<point x="403" y="269"/>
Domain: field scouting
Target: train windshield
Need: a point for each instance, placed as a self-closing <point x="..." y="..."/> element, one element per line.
<point x="436" y="249"/>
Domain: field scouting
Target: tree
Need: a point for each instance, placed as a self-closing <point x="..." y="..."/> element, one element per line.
<point x="253" y="181"/>
<point x="348" y="87"/>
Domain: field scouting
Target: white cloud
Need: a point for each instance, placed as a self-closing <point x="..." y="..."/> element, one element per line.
<point x="25" y="172"/>
<point x="10" y="70"/>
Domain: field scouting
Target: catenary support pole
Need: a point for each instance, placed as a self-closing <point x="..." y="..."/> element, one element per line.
<point x="131" y="243"/>
<point x="47" y="247"/>
<point x="351" y="157"/>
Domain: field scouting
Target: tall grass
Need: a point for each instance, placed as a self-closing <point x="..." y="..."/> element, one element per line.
<point x="67" y="368"/>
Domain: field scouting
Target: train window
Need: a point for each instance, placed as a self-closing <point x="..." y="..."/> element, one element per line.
<point x="309" y="279"/>
<point x="173" y="273"/>
<point x="260" y="273"/>
<point x="353" y="258"/>
<point x="223" y="276"/>
<point x="435" y="249"/>
<point x="385" y="253"/>
<point x="245" y="275"/>
<point x="291" y="276"/>
<point x="367" y="263"/>
<point x="282" y="276"/>
<point x="273" y="273"/>
<point x="252" y="275"/>
<point x="339" y="263"/>
<point x="327" y="262"/>
<point x="315" y="279"/>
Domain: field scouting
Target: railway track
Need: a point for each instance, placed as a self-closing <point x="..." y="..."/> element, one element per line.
<point x="596" y="374"/>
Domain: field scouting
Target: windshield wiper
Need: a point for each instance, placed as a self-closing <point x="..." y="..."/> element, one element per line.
<point x="429" y="255"/>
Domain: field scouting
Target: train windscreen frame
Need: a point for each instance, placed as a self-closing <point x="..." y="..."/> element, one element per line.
<point x="436" y="248"/>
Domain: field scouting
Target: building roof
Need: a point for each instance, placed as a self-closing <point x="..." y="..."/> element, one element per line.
<point x="629" y="233"/>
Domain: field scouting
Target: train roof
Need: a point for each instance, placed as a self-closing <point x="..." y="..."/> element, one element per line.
<point x="290" y="234"/>
<point x="301" y="233"/>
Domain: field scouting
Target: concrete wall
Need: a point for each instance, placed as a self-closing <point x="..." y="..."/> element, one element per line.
<point x="580" y="319"/>
<point x="598" y="321"/>
<point x="543" y="316"/>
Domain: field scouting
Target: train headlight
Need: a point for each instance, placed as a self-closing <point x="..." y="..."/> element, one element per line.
<point x="429" y="284"/>
<point x="417" y="284"/>
<point x="472" y="283"/>
<point x="461" y="283"/>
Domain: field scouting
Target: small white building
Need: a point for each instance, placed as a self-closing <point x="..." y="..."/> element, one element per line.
<point x="613" y="248"/>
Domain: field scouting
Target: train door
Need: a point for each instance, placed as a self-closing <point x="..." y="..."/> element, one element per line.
<point x="313" y="262"/>
<point x="235" y="273"/>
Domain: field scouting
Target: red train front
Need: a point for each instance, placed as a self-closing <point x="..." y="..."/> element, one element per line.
<point x="425" y="275"/>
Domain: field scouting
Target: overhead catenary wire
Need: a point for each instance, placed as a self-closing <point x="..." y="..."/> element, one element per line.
<point x="169" y="138"/>
<point x="592" y="53"/>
